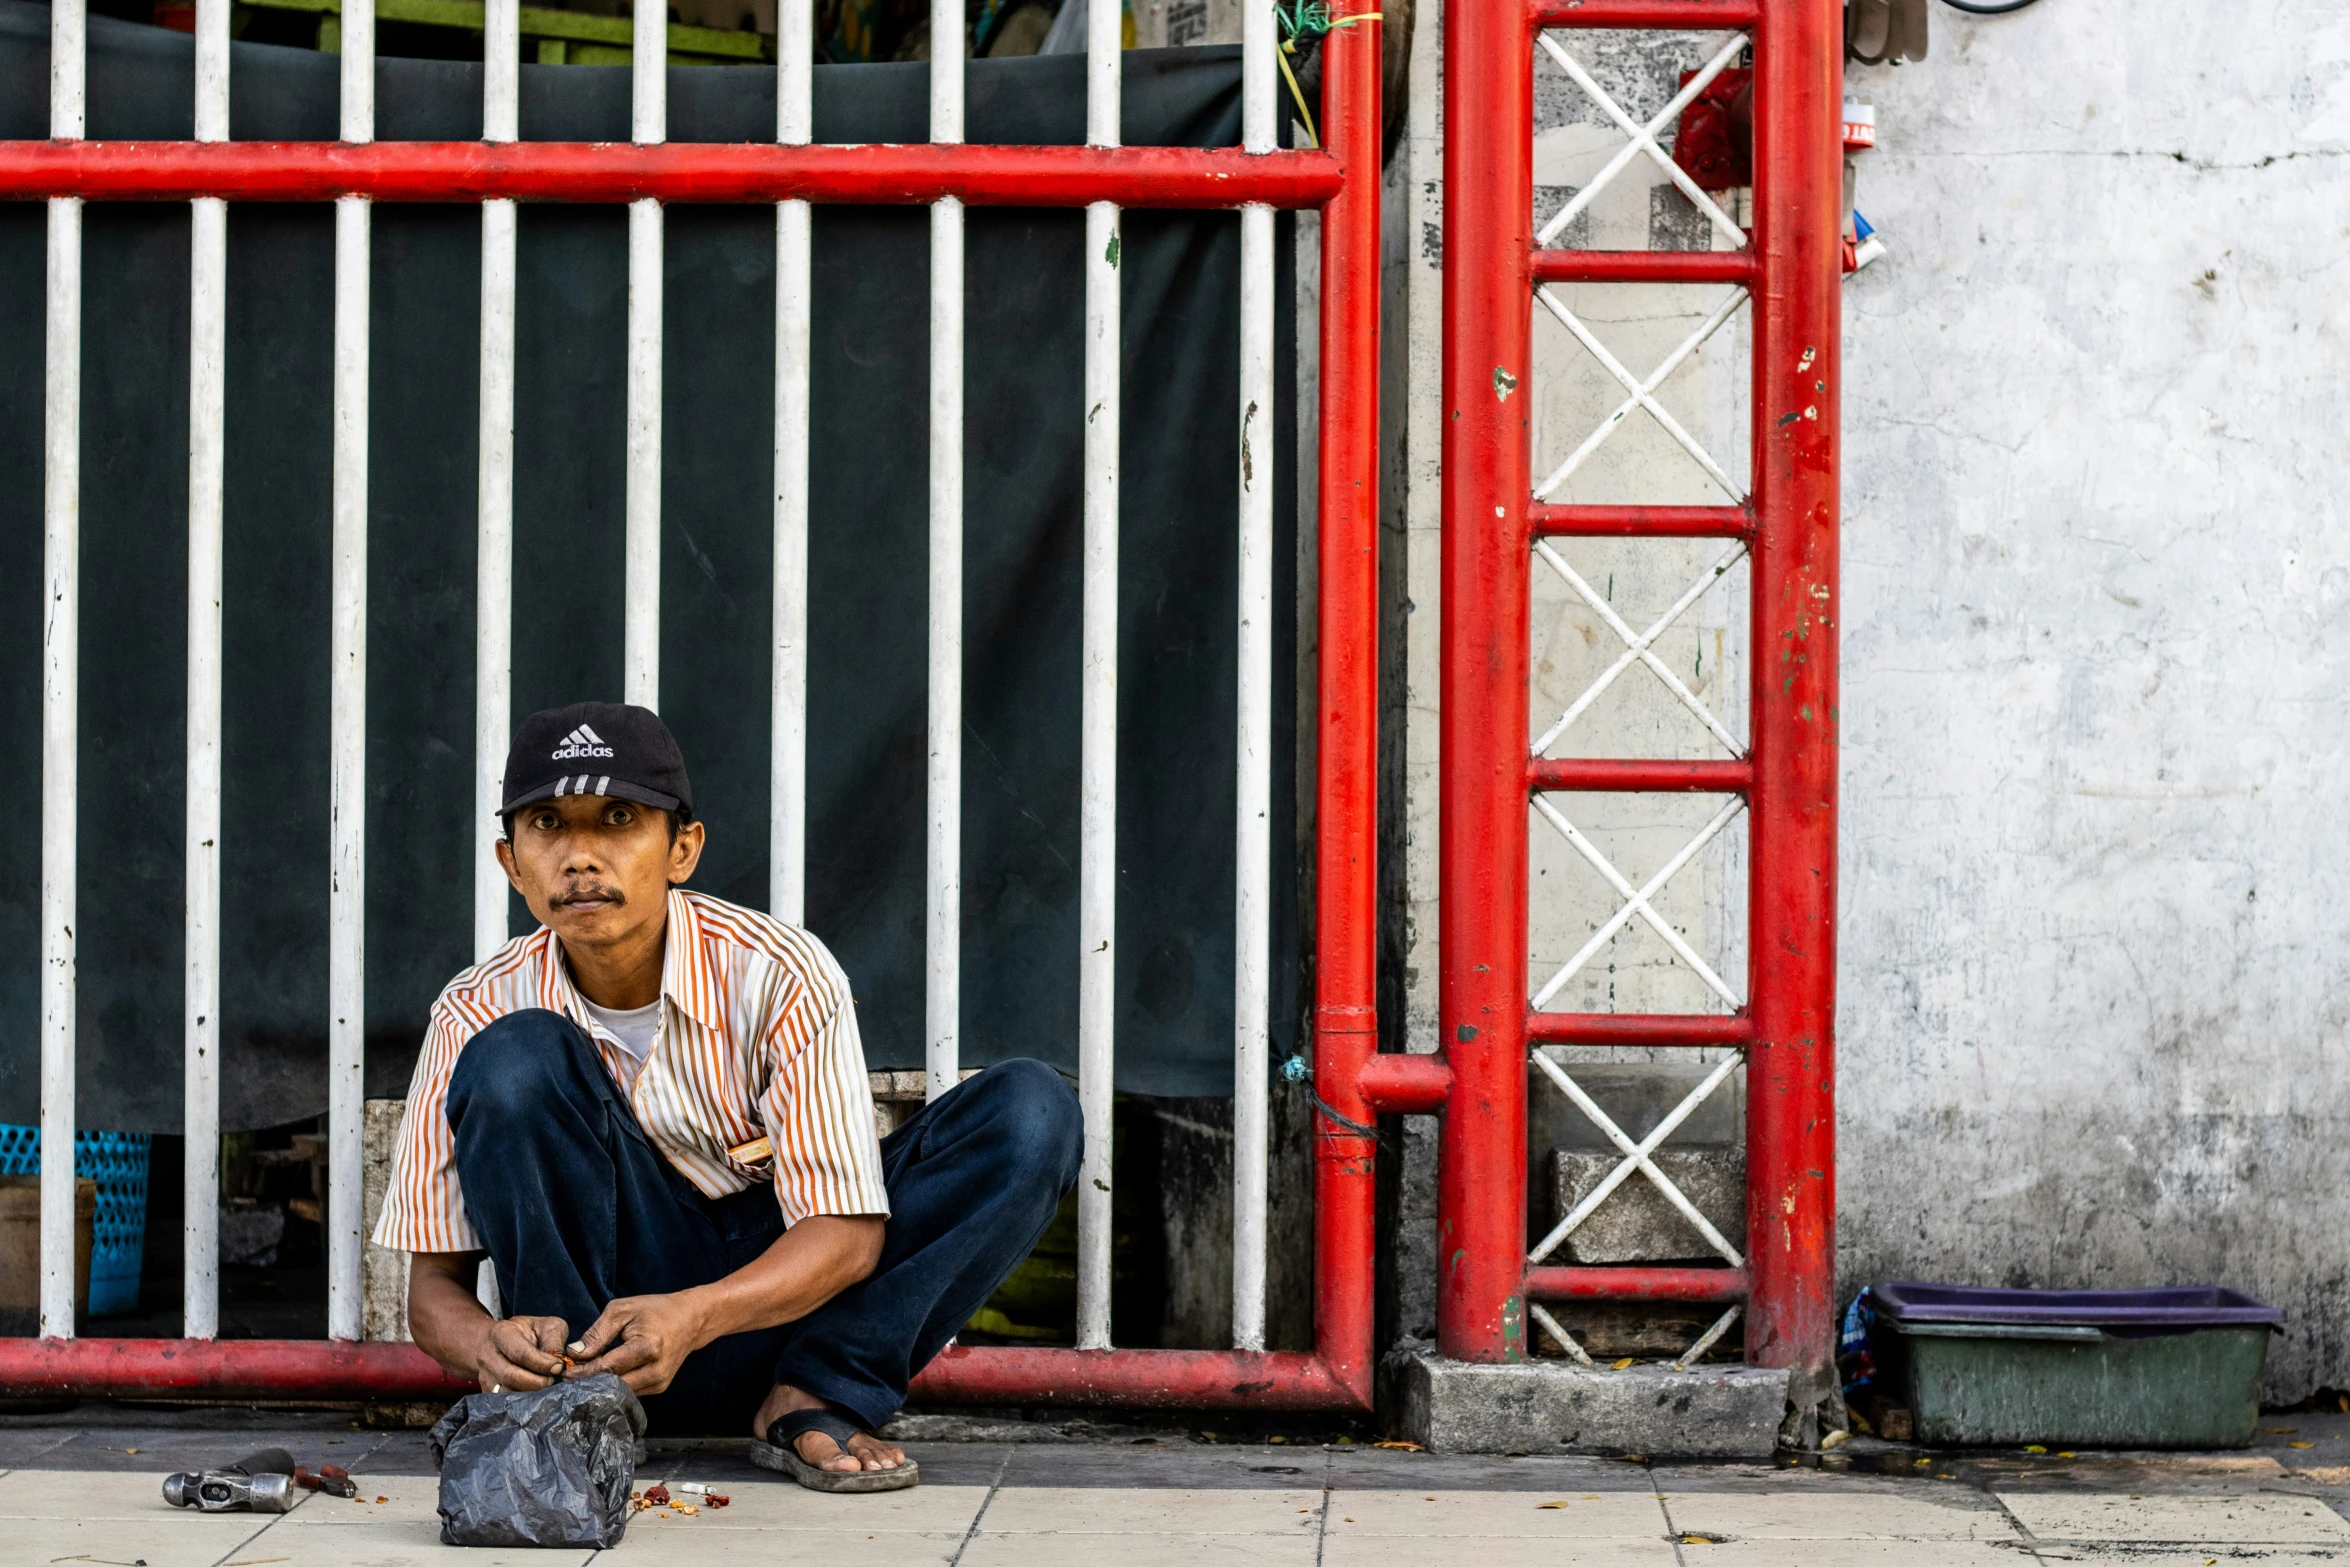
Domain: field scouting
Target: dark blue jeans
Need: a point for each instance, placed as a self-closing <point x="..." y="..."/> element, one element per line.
<point x="578" y="1207"/>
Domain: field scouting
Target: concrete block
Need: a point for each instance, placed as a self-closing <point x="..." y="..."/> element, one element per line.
<point x="1635" y="1223"/>
<point x="1451" y="1406"/>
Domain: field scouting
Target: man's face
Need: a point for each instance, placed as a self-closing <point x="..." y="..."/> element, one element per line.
<point x="596" y="870"/>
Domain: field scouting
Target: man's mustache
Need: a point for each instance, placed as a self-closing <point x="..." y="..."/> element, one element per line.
<point x="589" y="892"/>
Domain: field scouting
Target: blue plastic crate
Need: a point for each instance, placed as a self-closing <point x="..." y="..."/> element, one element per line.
<point x="117" y="1161"/>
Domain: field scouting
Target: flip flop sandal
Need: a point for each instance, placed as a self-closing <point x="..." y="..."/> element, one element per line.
<point x="778" y="1453"/>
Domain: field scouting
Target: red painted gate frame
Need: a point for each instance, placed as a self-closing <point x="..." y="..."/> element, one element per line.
<point x="1792" y="270"/>
<point x="1342" y="181"/>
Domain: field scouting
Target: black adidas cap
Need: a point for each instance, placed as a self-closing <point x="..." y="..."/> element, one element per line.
<point x="606" y="748"/>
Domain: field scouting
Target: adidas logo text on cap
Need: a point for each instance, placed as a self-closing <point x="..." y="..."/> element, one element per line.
<point x="582" y="741"/>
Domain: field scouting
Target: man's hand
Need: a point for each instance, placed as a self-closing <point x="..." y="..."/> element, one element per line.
<point x="643" y="1339"/>
<point x="520" y="1354"/>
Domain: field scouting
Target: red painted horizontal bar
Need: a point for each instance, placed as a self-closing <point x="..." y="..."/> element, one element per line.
<point x="1702" y="1286"/>
<point x="323" y="1369"/>
<point x="737" y="172"/>
<point x="1660" y="522"/>
<point x="236" y="1368"/>
<point x="1638" y="1028"/>
<point x="1646" y="13"/>
<point x="1406" y="1084"/>
<point x="1641" y="775"/>
<point x="1643" y="266"/>
<point x="1133" y="1378"/>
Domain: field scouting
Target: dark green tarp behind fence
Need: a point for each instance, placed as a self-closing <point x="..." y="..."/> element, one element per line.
<point x="1023" y="391"/>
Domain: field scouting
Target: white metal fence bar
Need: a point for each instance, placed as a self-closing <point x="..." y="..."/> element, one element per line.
<point x="1097" y="789"/>
<point x="1640" y="646"/>
<point x="207" y="424"/>
<point x="1636" y="1157"/>
<point x="1252" y="850"/>
<point x="1636" y="900"/>
<point x="942" y="946"/>
<point x="347" y="739"/>
<point x="641" y="612"/>
<point x="493" y="593"/>
<point x="61" y="531"/>
<point x="787" y="810"/>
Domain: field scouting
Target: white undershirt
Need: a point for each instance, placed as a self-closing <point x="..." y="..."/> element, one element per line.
<point x="633" y="1028"/>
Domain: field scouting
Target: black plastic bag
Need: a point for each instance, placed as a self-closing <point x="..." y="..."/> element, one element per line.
<point x="546" y="1468"/>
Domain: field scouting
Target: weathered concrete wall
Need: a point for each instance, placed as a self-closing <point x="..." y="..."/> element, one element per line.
<point x="2096" y="968"/>
<point x="2097" y="585"/>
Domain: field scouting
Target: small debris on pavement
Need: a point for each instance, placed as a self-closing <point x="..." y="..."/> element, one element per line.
<point x="1540" y="1506"/>
<point x="1401" y="1447"/>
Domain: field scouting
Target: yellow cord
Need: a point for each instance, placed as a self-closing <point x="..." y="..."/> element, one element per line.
<point x="1305" y="117"/>
<point x="1296" y="93"/>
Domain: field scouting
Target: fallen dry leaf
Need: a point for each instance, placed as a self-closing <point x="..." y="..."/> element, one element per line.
<point x="2301" y="1444"/>
<point x="1545" y="1506"/>
<point x="1624" y="1364"/>
<point x="1697" y="1539"/>
<point x="1401" y="1447"/>
<point x="2035" y="1448"/>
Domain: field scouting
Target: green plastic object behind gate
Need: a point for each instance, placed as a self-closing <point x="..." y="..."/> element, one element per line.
<point x="1997" y="1384"/>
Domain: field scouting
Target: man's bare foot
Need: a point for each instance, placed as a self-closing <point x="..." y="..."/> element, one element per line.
<point x="814" y="1447"/>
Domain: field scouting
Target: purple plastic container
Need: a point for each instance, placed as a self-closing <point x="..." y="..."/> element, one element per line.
<point x="2179" y="1309"/>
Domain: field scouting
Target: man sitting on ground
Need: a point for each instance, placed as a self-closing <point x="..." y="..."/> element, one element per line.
<point x="653" y="1115"/>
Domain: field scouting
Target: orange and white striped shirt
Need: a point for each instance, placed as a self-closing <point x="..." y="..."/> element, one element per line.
<point x="758" y="1037"/>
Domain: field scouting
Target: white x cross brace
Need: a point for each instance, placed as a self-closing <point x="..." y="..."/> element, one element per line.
<point x="1642" y="139"/>
<point x="1636" y="1157"/>
<point x="1636" y="900"/>
<point x="1640" y="646"/>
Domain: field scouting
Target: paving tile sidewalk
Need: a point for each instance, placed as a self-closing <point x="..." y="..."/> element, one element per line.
<point x="88" y="1493"/>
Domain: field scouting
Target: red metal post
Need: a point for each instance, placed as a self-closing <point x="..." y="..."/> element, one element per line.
<point x="1790" y="1110"/>
<point x="1485" y="492"/>
<point x="1346" y="828"/>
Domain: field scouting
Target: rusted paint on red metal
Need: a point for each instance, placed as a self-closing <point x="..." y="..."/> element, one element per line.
<point x="1645" y="13"/>
<point x="1406" y="1084"/>
<point x="1645" y="522"/>
<point x="1485" y="491"/>
<point x="1346" y="885"/>
<point x="1642" y="774"/>
<point x="1638" y="1029"/>
<point x="1642" y="266"/>
<point x="223" y="1368"/>
<point x="735" y="172"/>
<point x="1149" y="1379"/>
<point x="1699" y="1286"/>
<point x="1790" y="1114"/>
